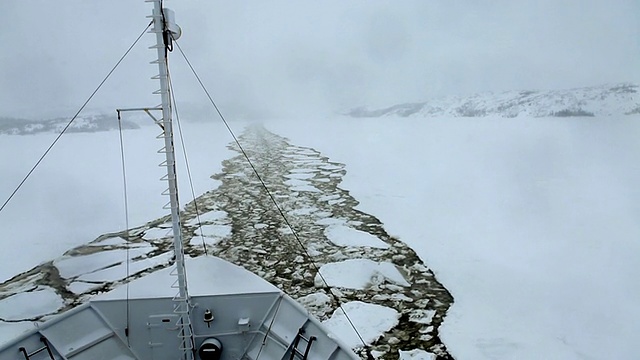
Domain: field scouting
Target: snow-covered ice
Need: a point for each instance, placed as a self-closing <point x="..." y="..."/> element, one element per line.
<point x="71" y="266"/>
<point x="160" y="283"/>
<point x="359" y="274"/>
<point x="209" y="216"/>
<point x="41" y="301"/>
<point x="423" y="317"/>
<point x="214" y="230"/>
<point x="157" y="233"/>
<point x="79" y="287"/>
<point x="416" y="354"/>
<point x="61" y="197"/>
<point x="300" y="175"/>
<point x="371" y="320"/>
<point x="331" y="221"/>
<point x="521" y="219"/>
<point x="119" y="272"/>
<point x="347" y="236"/>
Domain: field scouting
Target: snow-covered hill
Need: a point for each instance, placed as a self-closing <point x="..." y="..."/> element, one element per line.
<point x="604" y="100"/>
<point x="83" y="123"/>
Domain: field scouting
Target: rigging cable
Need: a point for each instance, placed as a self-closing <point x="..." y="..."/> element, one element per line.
<point x="72" y="120"/>
<point x="266" y="333"/>
<point x="126" y="221"/>
<point x="186" y="160"/>
<point x="273" y="199"/>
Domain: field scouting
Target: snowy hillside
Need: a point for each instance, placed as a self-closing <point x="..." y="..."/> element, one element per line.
<point x="605" y="100"/>
<point x="84" y="123"/>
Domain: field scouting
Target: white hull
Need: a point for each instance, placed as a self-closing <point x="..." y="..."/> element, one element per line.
<point x="252" y="319"/>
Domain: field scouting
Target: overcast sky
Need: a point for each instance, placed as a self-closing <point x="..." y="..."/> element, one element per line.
<point x="269" y="58"/>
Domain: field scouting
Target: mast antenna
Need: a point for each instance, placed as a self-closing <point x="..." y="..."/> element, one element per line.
<point x="166" y="31"/>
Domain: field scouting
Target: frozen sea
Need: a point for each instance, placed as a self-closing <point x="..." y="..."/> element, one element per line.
<point x="531" y="224"/>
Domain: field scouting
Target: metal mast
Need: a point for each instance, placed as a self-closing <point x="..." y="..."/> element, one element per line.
<point x="166" y="30"/>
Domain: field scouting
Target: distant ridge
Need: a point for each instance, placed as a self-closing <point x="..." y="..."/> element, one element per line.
<point x="83" y="123"/>
<point x="604" y="100"/>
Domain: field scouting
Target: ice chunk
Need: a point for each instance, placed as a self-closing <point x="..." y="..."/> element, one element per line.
<point x="347" y="236"/>
<point x="31" y="304"/>
<point x="359" y="274"/>
<point x="371" y="321"/>
<point x="416" y="354"/>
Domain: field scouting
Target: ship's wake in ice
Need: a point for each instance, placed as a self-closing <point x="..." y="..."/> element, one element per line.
<point x="346" y="259"/>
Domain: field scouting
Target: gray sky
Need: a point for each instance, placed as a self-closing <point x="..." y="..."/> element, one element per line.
<point x="269" y="58"/>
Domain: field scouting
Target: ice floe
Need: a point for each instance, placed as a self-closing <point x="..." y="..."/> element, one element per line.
<point x="296" y="182"/>
<point x="371" y="321"/>
<point x="28" y="305"/>
<point x="113" y="241"/>
<point x="9" y="330"/>
<point x="346" y="236"/>
<point x="72" y="266"/>
<point x="209" y="216"/>
<point x="301" y="185"/>
<point x="422" y="316"/>
<point x="416" y="354"/>
<point x="80" y="287"/>
<point x="156" y="233"/>
<point x="214" y="230"/>
<point x="300" y="176"/>
<point x="359" y="274"/>
<point x="318" y="302"/>
<point x="331" y="221"/>
<point x="119" y="271"/>
<point x="302" y="170"/>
